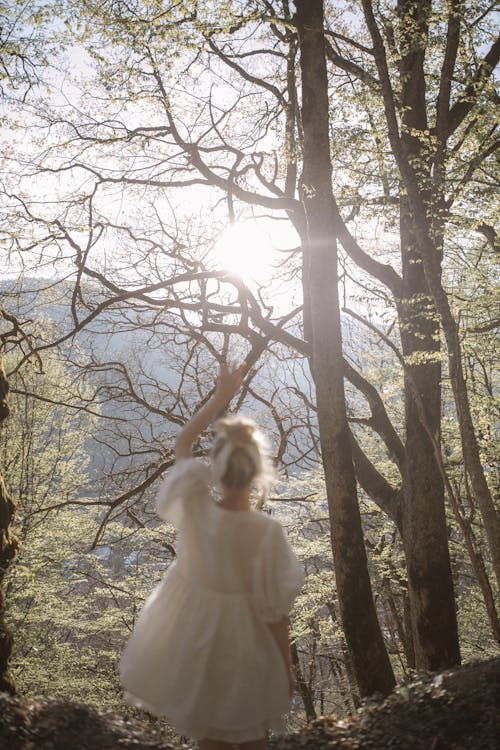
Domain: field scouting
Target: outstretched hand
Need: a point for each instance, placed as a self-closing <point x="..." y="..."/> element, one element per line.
<point x="229" y="381"/>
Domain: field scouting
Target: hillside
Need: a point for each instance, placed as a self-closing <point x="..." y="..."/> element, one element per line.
<point x="456" y="710"/>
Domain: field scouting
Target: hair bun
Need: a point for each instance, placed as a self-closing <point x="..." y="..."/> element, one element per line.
<point x="239" y="454"/>
<point x="239" y="431"/>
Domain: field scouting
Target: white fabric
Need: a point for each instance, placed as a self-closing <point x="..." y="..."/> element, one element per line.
<point x="201" y="654"/>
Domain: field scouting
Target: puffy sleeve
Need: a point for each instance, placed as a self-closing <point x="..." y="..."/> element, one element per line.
<point x="278" y="576"/>
<point x="187" y="484"/>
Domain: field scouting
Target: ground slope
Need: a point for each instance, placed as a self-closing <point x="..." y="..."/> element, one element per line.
<point x="455" y="710"/>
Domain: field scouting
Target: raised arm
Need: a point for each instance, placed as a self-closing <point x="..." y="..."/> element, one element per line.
<point x="228" y="384"/>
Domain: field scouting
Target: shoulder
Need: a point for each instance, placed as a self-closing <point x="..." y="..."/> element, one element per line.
<point x="188" y="473"/>
<point x="188" y="480"/>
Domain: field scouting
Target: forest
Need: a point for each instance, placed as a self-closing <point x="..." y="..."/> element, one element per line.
<point x="309" y="187"/>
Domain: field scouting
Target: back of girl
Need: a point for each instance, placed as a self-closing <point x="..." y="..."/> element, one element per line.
<point x="210" y="651"/>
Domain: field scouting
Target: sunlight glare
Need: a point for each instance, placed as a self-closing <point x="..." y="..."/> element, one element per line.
<point x="245" y="249"/>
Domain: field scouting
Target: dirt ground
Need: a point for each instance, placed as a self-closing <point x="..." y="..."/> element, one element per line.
<point x="456" y="710"/>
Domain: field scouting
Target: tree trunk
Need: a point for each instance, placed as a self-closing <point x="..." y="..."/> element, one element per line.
<point x="302" y="686"/>
<point x="363" y="635"/>
<point x="470" y="447"/>
<point x="413" y="29"/>
<point x="425" y="534"/>
<point x="477" y="563"/>
<point x="8" y="549"/>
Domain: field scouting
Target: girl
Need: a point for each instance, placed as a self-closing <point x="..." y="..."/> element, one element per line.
<point x="210" y="649"/>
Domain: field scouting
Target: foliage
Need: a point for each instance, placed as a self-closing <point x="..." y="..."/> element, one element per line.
<point x="72" y="607"/>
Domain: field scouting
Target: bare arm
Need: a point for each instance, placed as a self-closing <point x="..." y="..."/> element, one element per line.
<point x="228" y="383"/>
<point x="279" y="631"/>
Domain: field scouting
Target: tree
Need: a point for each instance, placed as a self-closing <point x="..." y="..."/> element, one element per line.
<point x="23" y="55"/>
<point x="423" y="170"/>
<point x="8" y="549"/>
<point x="371" y="663"/>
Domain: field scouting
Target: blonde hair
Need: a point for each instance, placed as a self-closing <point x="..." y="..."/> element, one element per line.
<point x="239" y="455"/>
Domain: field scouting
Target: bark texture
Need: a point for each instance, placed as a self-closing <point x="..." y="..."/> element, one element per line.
<point x="425" y="533"/>
<point x="430" y="583"/>
<point x="359" y="619"/>
<point x="8" y="550"/>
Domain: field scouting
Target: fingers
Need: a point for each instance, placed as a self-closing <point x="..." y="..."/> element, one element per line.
<point x="230" y="379"/>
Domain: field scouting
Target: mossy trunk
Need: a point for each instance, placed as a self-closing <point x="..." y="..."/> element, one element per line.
<point x="8" y="550"/>
<point x="430" y="583"/>
<point x="425" y="533"/>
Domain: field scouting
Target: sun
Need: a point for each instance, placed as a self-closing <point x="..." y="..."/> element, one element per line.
<point x="245" y="249"/>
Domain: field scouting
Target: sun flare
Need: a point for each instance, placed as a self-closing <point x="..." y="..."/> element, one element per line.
<point x="245" y="249"/>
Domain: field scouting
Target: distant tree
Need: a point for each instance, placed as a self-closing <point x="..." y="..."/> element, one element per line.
<point x="27" y="43"/>
<point x="71" y="609"/>
<point x="25" y="47"/>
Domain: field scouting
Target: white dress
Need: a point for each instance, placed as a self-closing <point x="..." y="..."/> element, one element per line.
<point x="201" y="654"/>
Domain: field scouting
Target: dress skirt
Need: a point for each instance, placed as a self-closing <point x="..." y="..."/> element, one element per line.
<point x="203" y="660"/>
